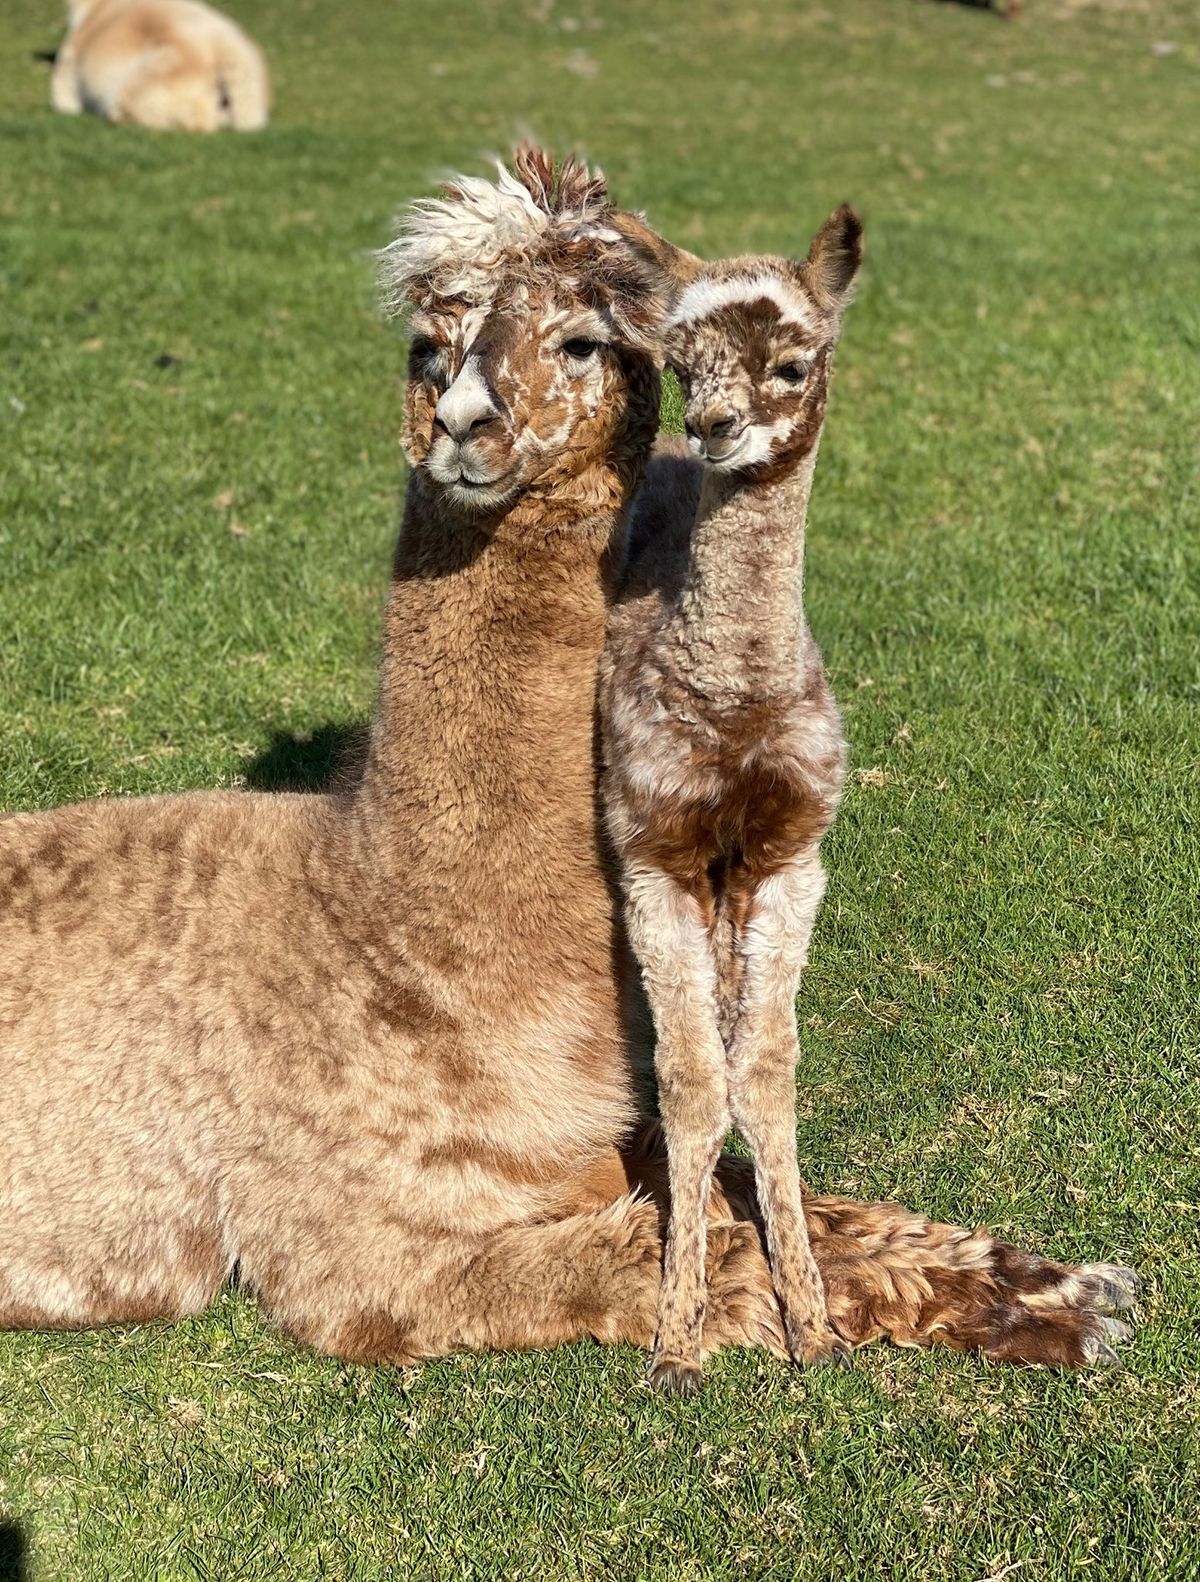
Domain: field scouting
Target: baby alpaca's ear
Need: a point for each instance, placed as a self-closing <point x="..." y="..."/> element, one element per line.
<point x="834" y="259"/>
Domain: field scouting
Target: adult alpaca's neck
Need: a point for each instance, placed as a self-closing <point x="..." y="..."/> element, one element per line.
<point x="477" y="803"/>
<point x="742" y="604"/>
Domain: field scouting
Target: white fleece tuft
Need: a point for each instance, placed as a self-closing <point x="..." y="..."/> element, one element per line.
<point x="703" y="297"/>
<point x="455" y="243"/>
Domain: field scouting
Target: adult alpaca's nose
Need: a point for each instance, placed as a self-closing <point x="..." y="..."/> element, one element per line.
<point x="466" y="406"/>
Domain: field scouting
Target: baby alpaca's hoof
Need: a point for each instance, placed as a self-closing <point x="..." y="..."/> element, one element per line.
<point x="675" y="1376"/>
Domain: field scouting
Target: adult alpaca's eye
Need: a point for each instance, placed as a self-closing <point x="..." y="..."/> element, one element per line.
<point x="423" y="350"/>
<point x="579" y="348"/>
<point x="792" y="373"/>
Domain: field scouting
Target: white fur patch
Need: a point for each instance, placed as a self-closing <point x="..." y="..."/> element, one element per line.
<point x="703" y="297"/>
<point x="760" y="443"/>
<point x="755" y="446"/>
<point x="466" y="401"/>
<point x="455" y="243"/>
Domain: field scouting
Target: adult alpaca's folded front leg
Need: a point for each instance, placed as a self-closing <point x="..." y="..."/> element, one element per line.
<point x="594" y="1276"/>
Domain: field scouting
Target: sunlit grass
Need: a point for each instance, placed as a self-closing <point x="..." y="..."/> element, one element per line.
<point x="198" y="419"/>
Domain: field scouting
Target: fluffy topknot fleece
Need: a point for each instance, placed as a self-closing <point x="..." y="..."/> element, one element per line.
<point x="454" y="245"/>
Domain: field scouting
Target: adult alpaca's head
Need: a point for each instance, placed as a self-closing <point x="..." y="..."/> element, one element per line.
<point x="536" y="310"/>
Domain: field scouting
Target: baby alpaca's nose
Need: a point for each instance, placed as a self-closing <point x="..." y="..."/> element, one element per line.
<point x="714" y="431"/>
<point x="712" y="423"/>
<point x="722" y="427"/>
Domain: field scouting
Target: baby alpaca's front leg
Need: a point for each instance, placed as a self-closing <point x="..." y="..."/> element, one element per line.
<point x="762" y="1090"/>
<point x="668" y="932"/>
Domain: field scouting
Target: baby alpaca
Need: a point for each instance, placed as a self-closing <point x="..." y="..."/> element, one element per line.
<point x="724" y="762"/>
<point x="173" y="65"/>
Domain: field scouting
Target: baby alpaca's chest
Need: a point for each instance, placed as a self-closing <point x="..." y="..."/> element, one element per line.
<point x="754" y="787"/>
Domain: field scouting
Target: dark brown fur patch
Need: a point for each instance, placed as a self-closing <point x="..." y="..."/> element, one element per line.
<point x="760" y="819"/>
<point x="376" y="1336"/>
<point x="52" y="855"/>
<point x="408" y="1008"/>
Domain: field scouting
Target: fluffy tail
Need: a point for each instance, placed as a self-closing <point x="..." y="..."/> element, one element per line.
<point x="890" y="1273"/>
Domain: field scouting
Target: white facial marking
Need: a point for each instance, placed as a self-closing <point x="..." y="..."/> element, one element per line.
<point x="466" y="401"/>
<point x="472" y="322"/>
<point x="703" y="297"/>
<point x="583" y="326"/>
<point x="554" y="318"/>
<point x="755" y="446"/>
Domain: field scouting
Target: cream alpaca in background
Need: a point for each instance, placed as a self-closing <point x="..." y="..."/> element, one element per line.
<point x="173" y="65"/>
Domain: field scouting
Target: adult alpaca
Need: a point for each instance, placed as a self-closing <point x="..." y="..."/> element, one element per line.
<point x="369" y="1048"/>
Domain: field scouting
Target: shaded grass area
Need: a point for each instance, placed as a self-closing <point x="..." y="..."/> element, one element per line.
<point x="198" y="418"/>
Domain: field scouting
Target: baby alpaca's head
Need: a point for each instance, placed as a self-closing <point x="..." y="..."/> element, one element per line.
<point x="752" y="341"/>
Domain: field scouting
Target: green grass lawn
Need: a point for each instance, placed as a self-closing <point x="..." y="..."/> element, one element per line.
<point x="199" y="411"/>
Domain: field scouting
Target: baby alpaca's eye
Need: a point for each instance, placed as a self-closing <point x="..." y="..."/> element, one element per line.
<point x="579" y="348"/>
<point x="792" y="373"/>
<point x="423" y="350"/>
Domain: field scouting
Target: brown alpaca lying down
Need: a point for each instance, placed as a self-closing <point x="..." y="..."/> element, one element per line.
<point x="374" y="1049"/>
<point x="173" y="65"/>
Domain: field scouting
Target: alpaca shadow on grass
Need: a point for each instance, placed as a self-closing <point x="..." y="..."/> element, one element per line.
<point x="1001" y="8"/>
<point x="14" y="1553"/>
<point x="329" y="758"/>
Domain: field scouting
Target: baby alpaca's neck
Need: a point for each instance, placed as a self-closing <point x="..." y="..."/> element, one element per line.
<point x="742" y="607"/>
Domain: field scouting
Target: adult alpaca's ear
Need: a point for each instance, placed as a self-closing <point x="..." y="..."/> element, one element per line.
<point x="637" y="294"/>
<point x="661" y="271"/>
<point x="834" y="259"/>
<point x="680" y="266"/>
